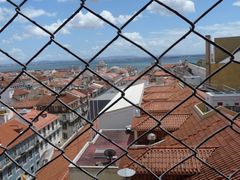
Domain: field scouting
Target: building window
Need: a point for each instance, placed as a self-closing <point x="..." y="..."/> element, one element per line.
<point x="65" y="136"/>
<point x="44" y="132"/>
<point x="19" y="162"/>
<point x="32" y="169"/>
<point x="41" y="145"/>
<point x="220" y="103"/>
<point x="30" y="154"/>
<point x="24" y="159"/>
<point x="9" y="171"/>
<point x="14" y="152"/>
<point x="53" y="126"/>
<point x="236" y="104"/>
<point x="64" y="126"/>
<point x="48" y="127"/>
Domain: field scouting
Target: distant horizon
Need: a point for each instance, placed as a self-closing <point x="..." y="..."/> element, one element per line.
<point x="104" y="58"/>
<point x="138" y="62"/>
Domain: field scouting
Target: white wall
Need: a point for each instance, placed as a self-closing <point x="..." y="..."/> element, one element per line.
<point x="227" y="99"/>
<point x="197" y="70"/>
<point x="117" y="119"/>
<point x="107" y="174"/>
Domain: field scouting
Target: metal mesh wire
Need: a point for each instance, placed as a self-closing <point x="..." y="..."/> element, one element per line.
<point x="88" y="67"/>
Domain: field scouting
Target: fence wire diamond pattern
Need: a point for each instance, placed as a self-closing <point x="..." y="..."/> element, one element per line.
<point x="88" y="67"/>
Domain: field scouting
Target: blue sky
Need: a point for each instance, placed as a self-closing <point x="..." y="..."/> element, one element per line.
<point x="155" y="29"/>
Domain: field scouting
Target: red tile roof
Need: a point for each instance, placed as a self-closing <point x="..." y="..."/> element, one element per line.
<point x="47" y="99"/>
<point x="26" y="104"/>
<point x="161" y="73"/>
<point x="132" y="78"/>
<point x="78" y="93"/>
<point x="171" y="122"/>
<point x="161" y="159"/>
<point x="43" y="120"/>
<point x="19" y="92"/>
<point x="10" y="130"/>
<point x="195" y="130"/>
<point x="169" y="66"/>
<point x="157" y="96"/>
<point x="159" y="106"/>
<point x="160" y="89"/>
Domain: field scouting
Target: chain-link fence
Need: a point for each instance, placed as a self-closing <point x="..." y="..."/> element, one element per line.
<point x="91" y="125"/>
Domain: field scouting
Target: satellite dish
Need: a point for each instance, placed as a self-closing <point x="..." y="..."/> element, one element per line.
<point x="110" y="153"/>
<point x="126" y="172"/>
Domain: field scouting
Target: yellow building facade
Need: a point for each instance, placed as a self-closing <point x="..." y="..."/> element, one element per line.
<point x="229" y="77"/>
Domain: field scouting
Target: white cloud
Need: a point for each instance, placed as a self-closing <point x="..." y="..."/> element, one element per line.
<point x="121" y="19"/>
<point x="33" y="12"/>
<point x="87" y="20"/>
<point x="81" y="20"/>
<point x="221" y="30"/>
<point x="30" y="12"/>
<point x="5" y="13"/>
<point x="36" y="31"/>
<point x="18" y="37"/>
<point x="182" y="6"/>
<point x="237" y="3"/>
<point x="136" y="37"/>
<point x="17" y="53"/>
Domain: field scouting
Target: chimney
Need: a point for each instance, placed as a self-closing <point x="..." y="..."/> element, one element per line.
<point x="208" y="58"/>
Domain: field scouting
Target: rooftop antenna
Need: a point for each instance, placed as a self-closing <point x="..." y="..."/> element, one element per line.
<point x="126" y="173"/>
<point x="110" y="153"/>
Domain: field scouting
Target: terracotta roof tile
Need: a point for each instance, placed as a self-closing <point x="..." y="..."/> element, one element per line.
<point x="195" y="130"/>
<point x="43" y="120"/>
<point x="26" y="104"/>
<point x="157" y="96"/>
<point x="160" y="73"/>
<point x="47" y="99"/>
<point x="10" y="130"/>
<point x="78" y="93"/>
<point x="19" y="92"/>
<point x="160" y="89"/>
<point x="161" y="159"/>
<point x="159" y="106"/>
<point x="171" y="123"/>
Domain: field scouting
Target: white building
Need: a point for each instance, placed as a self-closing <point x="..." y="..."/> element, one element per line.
<point x="192" y="80"/>
<point x="120" y="114"/>
<point x="5" y="115"/>
<point x="230" y="100"/>
<point x="48" y="125"/>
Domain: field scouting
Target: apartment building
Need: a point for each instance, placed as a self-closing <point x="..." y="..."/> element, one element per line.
<point x="70" y="121"/>
<point x="48" y="125"/>
<point x="24" y="150"/>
